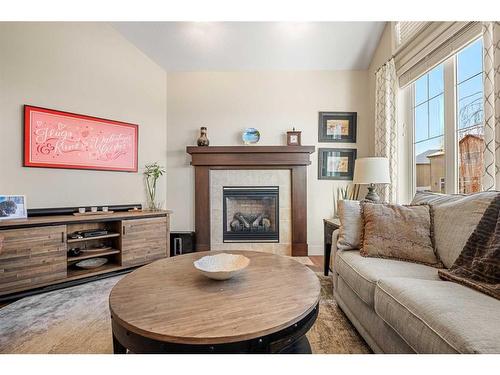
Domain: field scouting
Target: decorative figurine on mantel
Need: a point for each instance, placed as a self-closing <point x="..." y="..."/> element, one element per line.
<point x="203" y="140"/>
<point x="293" y="138"/>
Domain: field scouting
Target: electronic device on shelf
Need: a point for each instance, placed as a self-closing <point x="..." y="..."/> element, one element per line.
<point x="89" y="233"/>
<point x="74" y="251"/>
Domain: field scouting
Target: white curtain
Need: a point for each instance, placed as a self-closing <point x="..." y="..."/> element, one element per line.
<point x="491" y="77"/>
<point x="385" y="125"/>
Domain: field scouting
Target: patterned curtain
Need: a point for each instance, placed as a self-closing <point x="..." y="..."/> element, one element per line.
<point x="491" y="77"/>
<point x="385" y="125"/>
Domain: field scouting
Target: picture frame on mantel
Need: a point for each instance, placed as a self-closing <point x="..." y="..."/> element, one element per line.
<point x="336" y="163"/>
<point x="337" y="127"/>
<point x="293" y="138"/>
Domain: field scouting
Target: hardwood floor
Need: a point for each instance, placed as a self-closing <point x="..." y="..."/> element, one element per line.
<point x="318" y="263"/>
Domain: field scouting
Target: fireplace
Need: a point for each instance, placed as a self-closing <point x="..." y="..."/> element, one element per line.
<point x="283" y="166"/>
<point x="250" y="213"/>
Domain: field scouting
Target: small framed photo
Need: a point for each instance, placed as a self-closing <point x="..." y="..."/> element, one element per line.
<point x="293" y="138"/>
<point x="336" y="163"/>
<point x="13" y="207"/>
<point x="337" y="127"/>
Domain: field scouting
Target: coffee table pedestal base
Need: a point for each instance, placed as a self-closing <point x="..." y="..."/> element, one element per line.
<point x="291" y="340"/>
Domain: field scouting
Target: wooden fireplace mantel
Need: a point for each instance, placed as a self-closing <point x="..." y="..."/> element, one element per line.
<point x="294" y="158"/>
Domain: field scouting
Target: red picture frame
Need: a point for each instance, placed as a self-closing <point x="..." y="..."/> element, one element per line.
<point x="58" y="139"/>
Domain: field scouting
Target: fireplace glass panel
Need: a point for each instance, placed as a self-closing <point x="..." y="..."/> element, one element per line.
<point x="251" y="214"/>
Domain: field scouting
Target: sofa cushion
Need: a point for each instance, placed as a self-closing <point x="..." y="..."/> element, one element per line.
<point x="455" y="218"/>
<point x="362" y="273"/>
<point x="439" y="316"/>
<point x="478" y="265"/>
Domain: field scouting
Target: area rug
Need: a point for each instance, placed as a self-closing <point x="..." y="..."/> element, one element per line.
<point x="77" y="320"/>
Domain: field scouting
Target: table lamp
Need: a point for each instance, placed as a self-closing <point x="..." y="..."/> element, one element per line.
<point x="371" y="171"/>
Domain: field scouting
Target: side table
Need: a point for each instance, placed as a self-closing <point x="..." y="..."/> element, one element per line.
<point x="329" y="226"/>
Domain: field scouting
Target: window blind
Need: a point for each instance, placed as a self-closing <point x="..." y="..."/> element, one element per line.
<point x="431" y="45"/>
<point x="405" y="30"/>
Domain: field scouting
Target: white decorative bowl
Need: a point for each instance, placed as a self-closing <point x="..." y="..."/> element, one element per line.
<point x="89" y="264"/>
<point x="221" y="266"/>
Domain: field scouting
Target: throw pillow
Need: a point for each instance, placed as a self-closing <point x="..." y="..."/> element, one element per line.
<point x="478" y="265"/>
<point x="398" y="232"/>
<point x="350" y="225"/>
<point x="454" y="219"/>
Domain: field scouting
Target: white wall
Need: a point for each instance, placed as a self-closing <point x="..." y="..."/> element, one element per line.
<point x="273" y="102"/>
<point x="382" y="53"/>
<point x="86" y="68"/>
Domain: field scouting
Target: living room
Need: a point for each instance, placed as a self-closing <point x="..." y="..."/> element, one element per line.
<point x="215" y="183"/>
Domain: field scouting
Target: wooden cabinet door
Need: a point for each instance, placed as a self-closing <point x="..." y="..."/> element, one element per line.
<point x="144" y="240"/>
<point x="32" y="256"/>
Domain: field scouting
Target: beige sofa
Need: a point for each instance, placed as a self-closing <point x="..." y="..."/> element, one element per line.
<point x="402" y="307"/>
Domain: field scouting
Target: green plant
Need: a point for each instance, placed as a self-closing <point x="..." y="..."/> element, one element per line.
<point x="152" y="172"/>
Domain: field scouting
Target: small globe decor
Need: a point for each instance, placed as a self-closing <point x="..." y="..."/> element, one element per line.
<point x="221" y="266"/>
<point x="250" y="136"/>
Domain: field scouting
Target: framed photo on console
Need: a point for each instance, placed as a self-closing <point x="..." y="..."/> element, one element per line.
<point x="337" y="127"/>
<point x="13" y="207"/>
<point x="57" y="139"/>
<point x="336" y="163"/>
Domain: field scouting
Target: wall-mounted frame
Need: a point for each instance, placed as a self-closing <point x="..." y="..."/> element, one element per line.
<point x="337" y="127"/>
<point x="57" y="139"/>
<point x="336" y="163"/>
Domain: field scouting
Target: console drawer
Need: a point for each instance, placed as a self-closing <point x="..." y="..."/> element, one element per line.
<point x="144" y="240"/>
<point x="32" y="256"/>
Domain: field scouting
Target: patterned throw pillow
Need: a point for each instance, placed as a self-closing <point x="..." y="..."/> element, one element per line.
<point x="350" y="225"/>
<point x="398" y="232"/>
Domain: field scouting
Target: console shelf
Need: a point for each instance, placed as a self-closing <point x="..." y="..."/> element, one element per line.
<point x="94" y="254"/>
<point x="110" y="235"/>
<point x="74" y="273"/>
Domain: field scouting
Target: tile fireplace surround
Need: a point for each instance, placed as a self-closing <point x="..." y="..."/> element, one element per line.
<point x="282" y="166"/>
<point x="252" y="177"/>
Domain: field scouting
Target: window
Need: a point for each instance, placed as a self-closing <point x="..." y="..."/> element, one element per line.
<point x="448" y="136"/>
<point x="470" y="129"/>
<point x="429" y="131"/>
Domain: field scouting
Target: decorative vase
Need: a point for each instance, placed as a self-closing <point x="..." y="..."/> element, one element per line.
<point x="250" y="136"/>
<point x="203" y="140"/>
<point x="152" y="173"/>
<point x="153" y="204"/>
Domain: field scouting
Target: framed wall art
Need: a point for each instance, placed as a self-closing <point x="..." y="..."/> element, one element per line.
<point x="13" y="207"/>
<point x="57" y="139"/>
<point x="337" y="127"/>
<point x="336" y="163"/>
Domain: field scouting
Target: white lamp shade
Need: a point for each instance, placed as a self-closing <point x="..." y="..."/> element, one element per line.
<point x="373" y="170"/>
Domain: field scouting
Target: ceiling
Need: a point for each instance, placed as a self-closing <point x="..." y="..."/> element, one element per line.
<point x="219" y="46"/>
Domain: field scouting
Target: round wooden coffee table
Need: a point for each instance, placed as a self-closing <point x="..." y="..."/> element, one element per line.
<point x="169" y="307"/>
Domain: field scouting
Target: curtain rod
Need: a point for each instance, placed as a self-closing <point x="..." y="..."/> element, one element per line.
<point x="384" y="64"/>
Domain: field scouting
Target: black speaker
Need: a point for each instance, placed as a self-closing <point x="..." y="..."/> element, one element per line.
<point x="181" y="243"/>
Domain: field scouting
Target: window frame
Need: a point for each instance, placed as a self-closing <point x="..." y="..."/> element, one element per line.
<point x="450" y="126"/>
